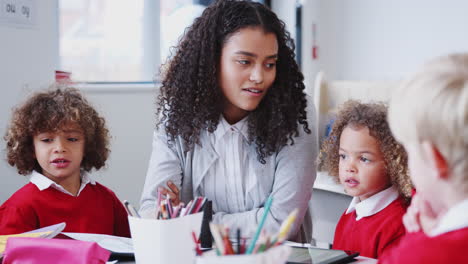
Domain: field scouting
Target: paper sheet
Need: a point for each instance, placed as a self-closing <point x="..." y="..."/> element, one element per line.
<point x="123" y="245"/>
<point x="165" y="241"/>
<point x="44" y="232"/>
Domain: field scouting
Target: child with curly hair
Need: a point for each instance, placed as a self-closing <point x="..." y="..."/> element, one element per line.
<point x="434" y="131"/>
<point x="57" y="137"/>
<point x="235" y="125"/>
<point x="363" y="156"/>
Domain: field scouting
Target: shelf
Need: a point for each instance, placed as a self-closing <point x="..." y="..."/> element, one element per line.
<point x="326" y="183"/>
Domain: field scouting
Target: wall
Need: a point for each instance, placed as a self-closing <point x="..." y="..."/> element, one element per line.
<point x="286" y="11"/>
<point x="385" y="40"/>
<point x="374" y="40"/>
<point x="129" y="113"/>
<point x="28" y="58"/>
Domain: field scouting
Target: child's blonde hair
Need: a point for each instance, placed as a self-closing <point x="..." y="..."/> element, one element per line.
<point x="373" y="116"/>
<point x="433" y="106"/>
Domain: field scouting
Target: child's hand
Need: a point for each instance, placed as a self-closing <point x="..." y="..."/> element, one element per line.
<point x="172" y="192"/>
<point x="411" y="217"/>
<point x="420" y="215"/>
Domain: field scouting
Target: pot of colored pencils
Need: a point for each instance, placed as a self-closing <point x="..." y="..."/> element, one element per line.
<point x="262" y="248"/>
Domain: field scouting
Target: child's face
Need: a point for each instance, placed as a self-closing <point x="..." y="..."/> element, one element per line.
<point x="361" y="166"/>
<point x="247" y="70"/>
<point x="60" y="153"/>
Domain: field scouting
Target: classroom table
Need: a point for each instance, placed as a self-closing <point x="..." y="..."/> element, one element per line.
<point x="365" y="260"/>
<point x="359" y="260"/>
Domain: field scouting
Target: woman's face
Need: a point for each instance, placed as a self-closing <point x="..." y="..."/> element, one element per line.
<point x="247" y="70"/>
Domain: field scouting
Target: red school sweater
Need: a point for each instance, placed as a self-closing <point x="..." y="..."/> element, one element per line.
<point x="96" y="210"/>
<point x="418" y="248"/>
<point x="371" y="235"/>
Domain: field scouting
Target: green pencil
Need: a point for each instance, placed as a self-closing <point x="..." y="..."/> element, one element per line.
<point x="260" y="225"/>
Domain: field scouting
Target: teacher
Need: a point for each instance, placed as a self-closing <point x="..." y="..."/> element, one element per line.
<point x="234" y="123"/>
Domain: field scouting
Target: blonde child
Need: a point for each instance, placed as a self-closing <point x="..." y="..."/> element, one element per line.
<point x="363" y="156"/>
<point x="57" y="137"/>
<point x="430" y="117"/>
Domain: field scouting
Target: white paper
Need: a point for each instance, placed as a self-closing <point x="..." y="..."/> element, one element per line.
<point x="53" y="229"/>
<point x="165" y="241"/>
<point x="295" y="244"/>
<point x="275" y="255"/>
<point x="114" y="244"/>
<point x="44" y="232"/>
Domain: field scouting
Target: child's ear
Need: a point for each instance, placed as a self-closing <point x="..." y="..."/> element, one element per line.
<point x="437" y="160"/>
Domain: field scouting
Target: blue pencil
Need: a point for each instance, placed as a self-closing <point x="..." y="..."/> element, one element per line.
<point x="260" y="225"/>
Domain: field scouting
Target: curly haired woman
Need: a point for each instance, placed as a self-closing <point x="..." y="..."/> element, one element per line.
<point x="57" y="137"/>
<point x="362" y="154"/>
<point x="234" y="122"/>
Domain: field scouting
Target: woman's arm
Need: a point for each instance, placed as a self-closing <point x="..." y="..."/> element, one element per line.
<point x="292" y="188"/>
<point x="164" y="166"/>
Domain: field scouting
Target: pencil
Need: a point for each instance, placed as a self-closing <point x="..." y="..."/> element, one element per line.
<point x="217" y="237"/>
<point x="197" y="246"/>
<point x="260" y="225"/>
<point x="238" y="233"/>
<point x="286" y="226"/>
<point x="130" y="209"/>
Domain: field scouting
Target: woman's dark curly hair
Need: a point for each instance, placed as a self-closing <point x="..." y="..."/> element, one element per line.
<point x="50" y="111"/>
<point x="374" y="117"/>
<point x="191" y="99"/>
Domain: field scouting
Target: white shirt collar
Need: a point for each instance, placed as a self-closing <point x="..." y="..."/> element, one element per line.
<point x="455" y="218"/>
<point x="373" y="204"/>
<point x="224" y="127"/>
<point x="42" y="182"/>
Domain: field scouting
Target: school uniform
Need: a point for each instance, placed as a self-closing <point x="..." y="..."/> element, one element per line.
<point x="225" y="168"/>
<point x="447" y="243"/>
<point x="373" y="225"/>
<point x="42" y="202"/>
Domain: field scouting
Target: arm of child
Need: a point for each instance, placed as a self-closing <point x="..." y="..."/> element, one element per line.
<point x="121" y="225"/>
<point x="15" y="220"/>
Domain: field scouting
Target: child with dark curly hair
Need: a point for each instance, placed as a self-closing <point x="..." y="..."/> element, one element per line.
<point x="365" y="158"/>
<point x="57" y="137"/>
<point x="235" y="125"/>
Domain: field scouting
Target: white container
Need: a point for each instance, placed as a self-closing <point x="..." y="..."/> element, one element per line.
<point x="275" y="255"/>
<point x="165" y="241"/>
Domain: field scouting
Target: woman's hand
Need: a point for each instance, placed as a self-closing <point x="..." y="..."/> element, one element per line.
<point x="420" y="216"/>
<point x="172" y="192"/>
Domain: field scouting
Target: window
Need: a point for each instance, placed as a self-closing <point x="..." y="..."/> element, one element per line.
<point x="121" y="40"/>
<point x="109" y="40"/>
<point x="176" y="16"/>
